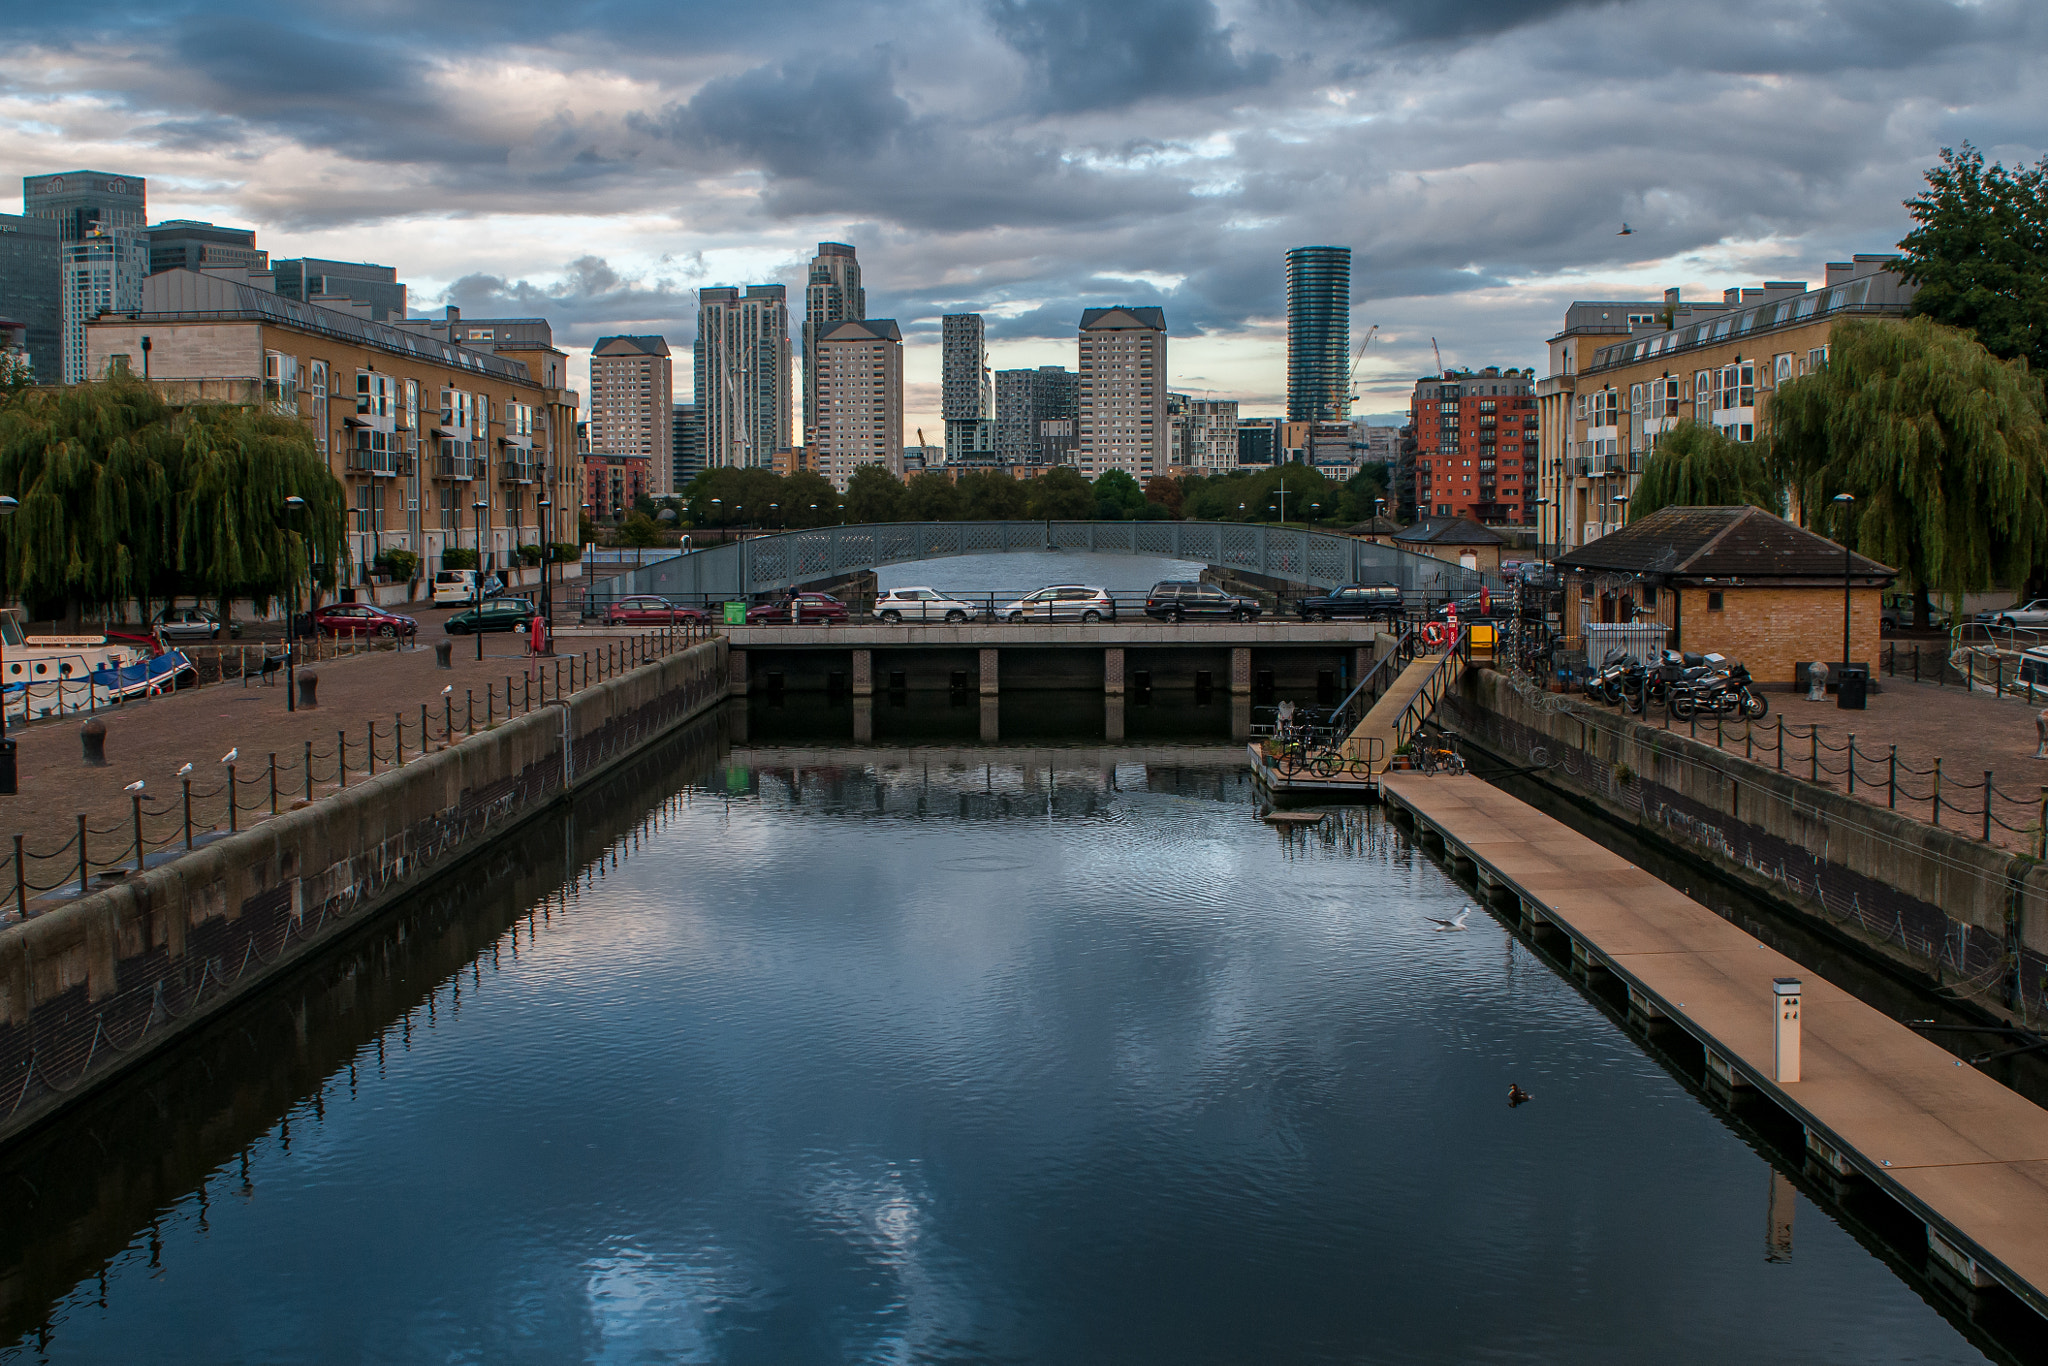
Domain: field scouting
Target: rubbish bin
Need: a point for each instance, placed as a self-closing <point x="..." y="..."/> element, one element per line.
<point x="1853" y="689"/>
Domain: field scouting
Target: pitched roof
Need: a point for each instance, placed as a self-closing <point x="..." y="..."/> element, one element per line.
<point x="1448" y="531"/>
<point x="626" y="346"/>
<point x="1721" y="543"/>
<point x="862" y="329"/>
<point x="1123" y="316"/>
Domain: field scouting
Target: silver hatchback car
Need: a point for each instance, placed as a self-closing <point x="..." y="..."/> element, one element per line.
<point x="921" y="604"/>
<point x="1062" y="602"/>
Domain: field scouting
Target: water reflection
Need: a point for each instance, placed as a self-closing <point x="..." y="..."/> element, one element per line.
<point x="785" y="1051"/>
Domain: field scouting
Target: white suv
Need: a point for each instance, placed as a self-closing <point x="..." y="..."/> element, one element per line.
<point x="1062" y="602"/>
<point x="921" y="604"/>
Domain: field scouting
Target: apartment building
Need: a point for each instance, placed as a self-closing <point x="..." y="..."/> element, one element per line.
<point x="613" y="484"/>
<point x="1476" y="436"/>
<point x="437" y="445"/>
<point x="30" y="280"/>
<point x="1035" y="415"/>
<point x="103" y="256"/>
<point x="184" y="244"/>
<point x="1122" y="408"/>
<point x="632" y="404"/>
<point x="687" y="439"/>
<point x="966" y="395"/>
<point x="741" y="374"/>
<point x="860" y="398"/>
<point x="1319" y="334"/>
<point x="832" y="294"/>
<point x="1619" y="382"/>
<point x="1202" y="437"/>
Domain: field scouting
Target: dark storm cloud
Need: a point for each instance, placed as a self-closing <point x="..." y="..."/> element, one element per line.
<point x="1435" y="20"/>
<point x="1088" y="55"/>
<point x="590" y="300"/>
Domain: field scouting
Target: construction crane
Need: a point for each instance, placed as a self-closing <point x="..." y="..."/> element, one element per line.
<point x="1439" y="355"/>
<point x="1351" y="381"/>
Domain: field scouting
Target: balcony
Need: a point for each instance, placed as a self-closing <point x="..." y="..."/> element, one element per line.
<point x="448" y="466"/>
<point x="514" y="471"/>
<point x="375" y="453"/>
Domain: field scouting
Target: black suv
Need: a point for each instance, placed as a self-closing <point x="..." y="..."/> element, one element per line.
<point x="1369" y="601"/>
<point x="1179" y="599"/>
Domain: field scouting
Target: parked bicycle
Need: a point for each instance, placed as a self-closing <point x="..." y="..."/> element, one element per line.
<point x="1431" y="759"/>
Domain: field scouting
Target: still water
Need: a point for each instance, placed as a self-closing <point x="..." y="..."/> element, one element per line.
<point x="1027" y="1054"/>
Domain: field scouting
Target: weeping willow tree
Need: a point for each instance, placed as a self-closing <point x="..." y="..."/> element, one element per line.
<point x="1939" y="442"/>
<point x="125" y="498"/>
<point x="1695" y="466"/>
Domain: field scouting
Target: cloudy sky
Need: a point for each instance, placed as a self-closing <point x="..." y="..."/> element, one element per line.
<point x="596" y="161"/>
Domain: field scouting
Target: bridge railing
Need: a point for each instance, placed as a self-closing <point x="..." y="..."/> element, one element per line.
<point x="1312" y="559"/>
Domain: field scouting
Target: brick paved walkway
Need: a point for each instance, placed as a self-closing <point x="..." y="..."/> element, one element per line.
<point x="1968" y="732"/>
<point x="152" y="740"/>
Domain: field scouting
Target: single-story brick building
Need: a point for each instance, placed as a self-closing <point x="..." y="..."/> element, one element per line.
<point x="1737" y="581"/>
<point x="1459" y="540"/>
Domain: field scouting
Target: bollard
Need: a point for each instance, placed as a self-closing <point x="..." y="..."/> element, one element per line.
<point x="370" y="748"/>
<point x="309" y="770"/>
<point x="469" y="712"/>
<point x="1892" y="780"/>
<point x="1937" y="790"/>
<point x="447" y="719"/>
<point x="423" y="729"/>
<point x="83" y="865"/>
<point x="1785" y="992"/>
<point x="308" y="683"/>
<point x="141" y="849"/>
<point x="234" y="816"/>
<point x="188" y="815"/>
<point x="398" y="739"/>
<point x="341" y="758"/>
<point x="2041" y="832"/>
<point x="20" y="881"/>
<point x="1852" y="763"/>
<point x="442" y="649"/>
<point x="1987" y="806"/>
<point x="92" y="738"/>
<point x="491" y="702"/>
<point x="1781" y="742"/>
<point x="273" y="782"/>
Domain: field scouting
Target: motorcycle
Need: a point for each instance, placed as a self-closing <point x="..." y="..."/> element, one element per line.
<point x="1604" y="684"/>
<point x="1724" y="688"/>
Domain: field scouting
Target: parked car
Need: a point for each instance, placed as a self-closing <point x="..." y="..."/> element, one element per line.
<point x="1896" y="610"/>
<point x="812" y="609"/>
<point x="500" y="614"/>
<point x="361" y="619"/>
<point x="1062" y="602"/>
<point x="191" y="623"/>
<point x="644" y="609"/>
<point x="921" y="604"/>
<point x="1484" y="603"/>
<point x="1179" y="599"/>
<point x="1366" y="601"/>
<point x="2030" y="614"/>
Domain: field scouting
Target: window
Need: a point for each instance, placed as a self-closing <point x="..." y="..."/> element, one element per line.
<point x="1817" y="359"/>
<point x="373" y="394"/>
<point x="1781" y="367"/>
<point x="317" y="381"/>
<point x="1714" y="602"/>
<point x="281" y="381"/>
<point x="1702" y="408"/>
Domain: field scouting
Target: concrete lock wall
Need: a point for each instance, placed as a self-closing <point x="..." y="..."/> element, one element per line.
<point x="1950" y="906"/>
<point x="92" y="987"/>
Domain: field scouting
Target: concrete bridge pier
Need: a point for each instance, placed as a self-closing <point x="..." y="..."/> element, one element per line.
<point x="1113" y="671"/>
<point x="988" y="680"/>
<point x="736" y="679"/>
<point x="991" y="727"/>
<point x="863" y="717"/>
<point x="1241" y="671"/>
<point x="1240" y="716"/>
<point x="1113" y="717"/>
<point x="863" y="673"/>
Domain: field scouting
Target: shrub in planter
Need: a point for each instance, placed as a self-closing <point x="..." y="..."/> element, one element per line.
<point x="399" y="565"/>
<point x="458" y="558"/>
<point x="566" y="554"/>
<point x="530" y="554"/>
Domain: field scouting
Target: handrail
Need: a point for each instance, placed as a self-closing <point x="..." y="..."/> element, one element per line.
<point x="1341" y="717"/>
<point x="1411" y="718"/>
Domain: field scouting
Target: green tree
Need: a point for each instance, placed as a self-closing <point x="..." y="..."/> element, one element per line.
<point x="638" y="529"/>
<point x="809" y="499"/>
<point x="991" y="497"/>
<point x="1060" y="494"/>
<point x="931" y="497"/>
<point x="1165" y="491"/>
<point x="1939" y="442"/>
<point x="1980" y="252"/>
<point x="1695" y="466"/>
<point x="1117" y="496"/>
<point x="873" y="495"/>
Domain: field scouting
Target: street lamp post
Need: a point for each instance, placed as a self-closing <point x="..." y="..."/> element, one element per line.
<point x="1843" y="501"/>
<point x="477" y="630"/>
<point x="292" y="506"/>
<point x="1543" y="529"/>
<point x="8" y="783"/>
<point x="547" y="569"/>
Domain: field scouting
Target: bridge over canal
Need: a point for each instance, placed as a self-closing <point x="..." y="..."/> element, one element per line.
<point x="1312" y="559"/>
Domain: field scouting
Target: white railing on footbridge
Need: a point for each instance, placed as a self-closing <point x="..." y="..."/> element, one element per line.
<point x="1312" y="559"/>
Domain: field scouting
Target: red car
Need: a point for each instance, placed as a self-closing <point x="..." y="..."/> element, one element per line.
<point x="812" y="609"/>
<point x="647" y="610"/>
<point x="361" y="619"/>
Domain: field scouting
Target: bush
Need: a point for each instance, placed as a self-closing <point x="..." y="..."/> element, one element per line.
<point x="530" y="554"/>
<point x="566" y="554"/>
<point x="399" y="564"/>
<point x="458" y="558"/>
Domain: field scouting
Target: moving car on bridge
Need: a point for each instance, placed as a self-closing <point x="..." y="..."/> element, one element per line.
<point x="812" y="609"/>
<point x="1359" y="601"/>
<point x="1179" y="599"/>
<point x="1062" y="602"/>
<point x="645" y="609"/>
<point x="921" y="604"/>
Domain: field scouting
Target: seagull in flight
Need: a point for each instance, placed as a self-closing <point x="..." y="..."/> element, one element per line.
<point x="183" y="771"/>
<point x="135" y="786"/>
<point x="1456" y="922"/>
<point x="231" y="755"/>
<point x="1626" y="231"/>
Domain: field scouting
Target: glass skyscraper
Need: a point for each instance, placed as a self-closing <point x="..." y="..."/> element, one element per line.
<point x="1318" y="334"/>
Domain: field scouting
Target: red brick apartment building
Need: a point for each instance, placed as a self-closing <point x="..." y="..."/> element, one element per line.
<point x="1475" y="445"/>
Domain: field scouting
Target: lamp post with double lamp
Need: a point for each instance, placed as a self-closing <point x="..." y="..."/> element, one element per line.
<point x="8" y="782"/>
<point x="547" y="570"/>
<point x="1842" y="503"/>
<point x="481" y="507"/>
<point x="293" y="506"/>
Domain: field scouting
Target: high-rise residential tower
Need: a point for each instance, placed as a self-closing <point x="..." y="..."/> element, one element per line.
<point x="832" y="295"/>
<point x="1123" y="392"/>
<point x="1035" y="415"/>
<point x="742" y="374"/>
<point x="103" y="255"/>
<point x="966" y="397"/>
<point x="632" y="404"/>
<point x="1318" y="334"/>
<point x="860" y="397"/>
<point x="30" y="276"/>
<point x="688" y="432"/>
